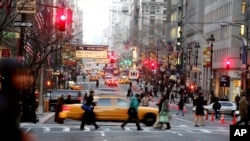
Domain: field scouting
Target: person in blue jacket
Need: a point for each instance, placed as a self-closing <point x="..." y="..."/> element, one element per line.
<point x="133" y="112"/>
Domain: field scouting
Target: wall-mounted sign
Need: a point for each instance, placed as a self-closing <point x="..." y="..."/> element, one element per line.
<point x="26" y="6"/>
<point x="92" y="51"/>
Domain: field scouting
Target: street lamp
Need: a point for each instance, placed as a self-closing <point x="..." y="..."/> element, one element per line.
<point x="211" y="39"/>
<point x="244" y="33"/>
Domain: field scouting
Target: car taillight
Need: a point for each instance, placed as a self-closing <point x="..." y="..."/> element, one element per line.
<point x="66" y="108"/>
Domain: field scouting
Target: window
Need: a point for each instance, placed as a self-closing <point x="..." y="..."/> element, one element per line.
<point x="122" y="103"/>
<point x="152" y="10"/>
<point x="152" y="20"/>
<point x="104" y="102"/>
<point x="226" y="104"/>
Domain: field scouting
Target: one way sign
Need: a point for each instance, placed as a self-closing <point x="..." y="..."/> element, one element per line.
<point x="23" y="23"/>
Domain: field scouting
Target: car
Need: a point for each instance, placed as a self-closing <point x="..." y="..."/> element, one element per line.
<point x="93" y="77"/>
<point x="110" y="108"/>
<point x="124" y="80"/>
<point x="111" y="82"/>
<point x="76" y="87"/>
<point x="227" y="107"/>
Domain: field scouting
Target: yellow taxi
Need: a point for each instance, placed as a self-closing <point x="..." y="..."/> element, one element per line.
<point x="110" y="108"/>
<point x="76" y="87"/>
<point x="93" y="77"/>
<point x="124" y="80"/>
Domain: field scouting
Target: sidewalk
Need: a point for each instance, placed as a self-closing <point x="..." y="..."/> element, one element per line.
<point x="44" y="117"/>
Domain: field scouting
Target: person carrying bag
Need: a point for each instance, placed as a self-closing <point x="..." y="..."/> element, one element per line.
<point x="164" y="116"/>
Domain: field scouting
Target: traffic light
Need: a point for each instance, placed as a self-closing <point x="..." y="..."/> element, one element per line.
<point x="112" y="59"/>
<point x="48" y="83"/>
<point x="145" y="62"/>
<point x="228" y="65"/>
<point x="61" y="19"/>
<point x="153" y="65"/>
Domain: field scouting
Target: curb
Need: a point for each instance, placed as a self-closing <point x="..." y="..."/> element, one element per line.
<point x="46" y="117"/>
<point x="28" y="130"/>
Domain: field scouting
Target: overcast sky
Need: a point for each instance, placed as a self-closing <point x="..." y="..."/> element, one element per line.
<point x="95" y="17"/>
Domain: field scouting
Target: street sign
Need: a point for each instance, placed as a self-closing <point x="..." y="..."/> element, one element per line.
<point x="11" y="34"/>
<point x="23" y="23"/>
<point x="224" y="81"/>
<point x="26" y="6"/>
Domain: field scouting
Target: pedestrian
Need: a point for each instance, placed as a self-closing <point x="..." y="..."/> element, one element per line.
<point x="243" y="107"/>
<point x="133" y="112"/>
<point x="159" y="104"/>
<point x="144" y="100"/>
<point x="85" y="97"/>
<point x="58" y="109"/>
<point x="155" y="90"/>
<point x="89" y="115"/>
<point x="10" y="109"/>
<point x="68" y="100"/>
<point x="172" y="97"/>
<point x="164" y="115"/>
<point x="199" y="111"/>
<point x="97" y="83"/>
<point x="237" y="101"/>
<point x="129" y="93"/>
<point x="180" y="106"/>
<point x="216" y="108"/>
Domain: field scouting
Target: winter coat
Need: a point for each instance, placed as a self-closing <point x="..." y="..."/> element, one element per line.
<point x="199" y="106"/>
<point x="243" y="107"/>
<point x="135" y="103"/>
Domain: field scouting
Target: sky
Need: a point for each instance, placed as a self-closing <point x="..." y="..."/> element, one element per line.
<point x="95" y="18"/>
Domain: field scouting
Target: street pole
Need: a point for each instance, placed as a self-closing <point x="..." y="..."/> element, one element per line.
<point x="40" y="102"/>
<point x="211" y="39"/>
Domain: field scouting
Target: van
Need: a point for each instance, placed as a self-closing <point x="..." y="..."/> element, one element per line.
<point x="133" y="74"/>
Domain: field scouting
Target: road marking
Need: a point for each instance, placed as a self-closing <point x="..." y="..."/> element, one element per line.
<point x="179" y="134"/>
<point x="183" y="120"/>
<point x="102" y="133"/>
<point x="66" y="129"/>
<point x="206" y="131"/>
<point x="46" y="129"/>
<point x="106" y="129"/>
<point x="127" y="129"/>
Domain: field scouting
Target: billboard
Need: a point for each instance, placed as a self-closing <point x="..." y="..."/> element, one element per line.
<point x="92" y="51"/>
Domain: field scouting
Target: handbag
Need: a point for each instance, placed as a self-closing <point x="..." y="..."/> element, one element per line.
<point x="86" y="108"/>
<point x="163" y="118"/>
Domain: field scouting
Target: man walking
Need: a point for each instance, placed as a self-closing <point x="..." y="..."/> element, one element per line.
<point x="133" y="112"/>
<point x="89" y="115"/>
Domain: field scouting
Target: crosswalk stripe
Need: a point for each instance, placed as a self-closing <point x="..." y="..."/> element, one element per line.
<point x="66" y="129"/>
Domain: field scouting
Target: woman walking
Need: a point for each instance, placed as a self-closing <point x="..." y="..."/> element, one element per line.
<point x="164" y="115"/>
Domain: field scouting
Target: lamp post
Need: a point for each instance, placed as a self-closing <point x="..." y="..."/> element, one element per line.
<point x="244" y="33"/>
<point x="211" y="39"/>
<point x="197" y="46"/>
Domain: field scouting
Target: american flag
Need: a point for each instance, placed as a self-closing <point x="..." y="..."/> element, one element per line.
<point x="39" y="18"/>
<point x="28" y="48"/>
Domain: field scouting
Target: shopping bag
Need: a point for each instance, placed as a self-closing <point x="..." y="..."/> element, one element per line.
<point x="163" y="118"/>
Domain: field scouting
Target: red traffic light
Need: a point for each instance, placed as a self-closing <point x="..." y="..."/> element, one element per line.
<point x="228" y="65"/>
<point x="63" y="17"/>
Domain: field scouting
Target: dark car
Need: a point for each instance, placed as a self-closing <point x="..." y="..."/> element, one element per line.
<point x="75" y="97"/>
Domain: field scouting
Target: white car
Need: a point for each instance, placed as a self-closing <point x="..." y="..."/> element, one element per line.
<point x="227" y="107"/>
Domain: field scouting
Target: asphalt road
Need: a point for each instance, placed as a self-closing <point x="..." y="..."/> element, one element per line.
<point x="182" y="129"/>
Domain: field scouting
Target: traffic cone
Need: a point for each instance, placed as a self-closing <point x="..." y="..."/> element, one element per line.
<point x="185" y="109"/>
<point x="222" y="119"/>
<point x="234" y="120"/>
<point x="212" y="116"/>
<point x="206" y="115"/>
